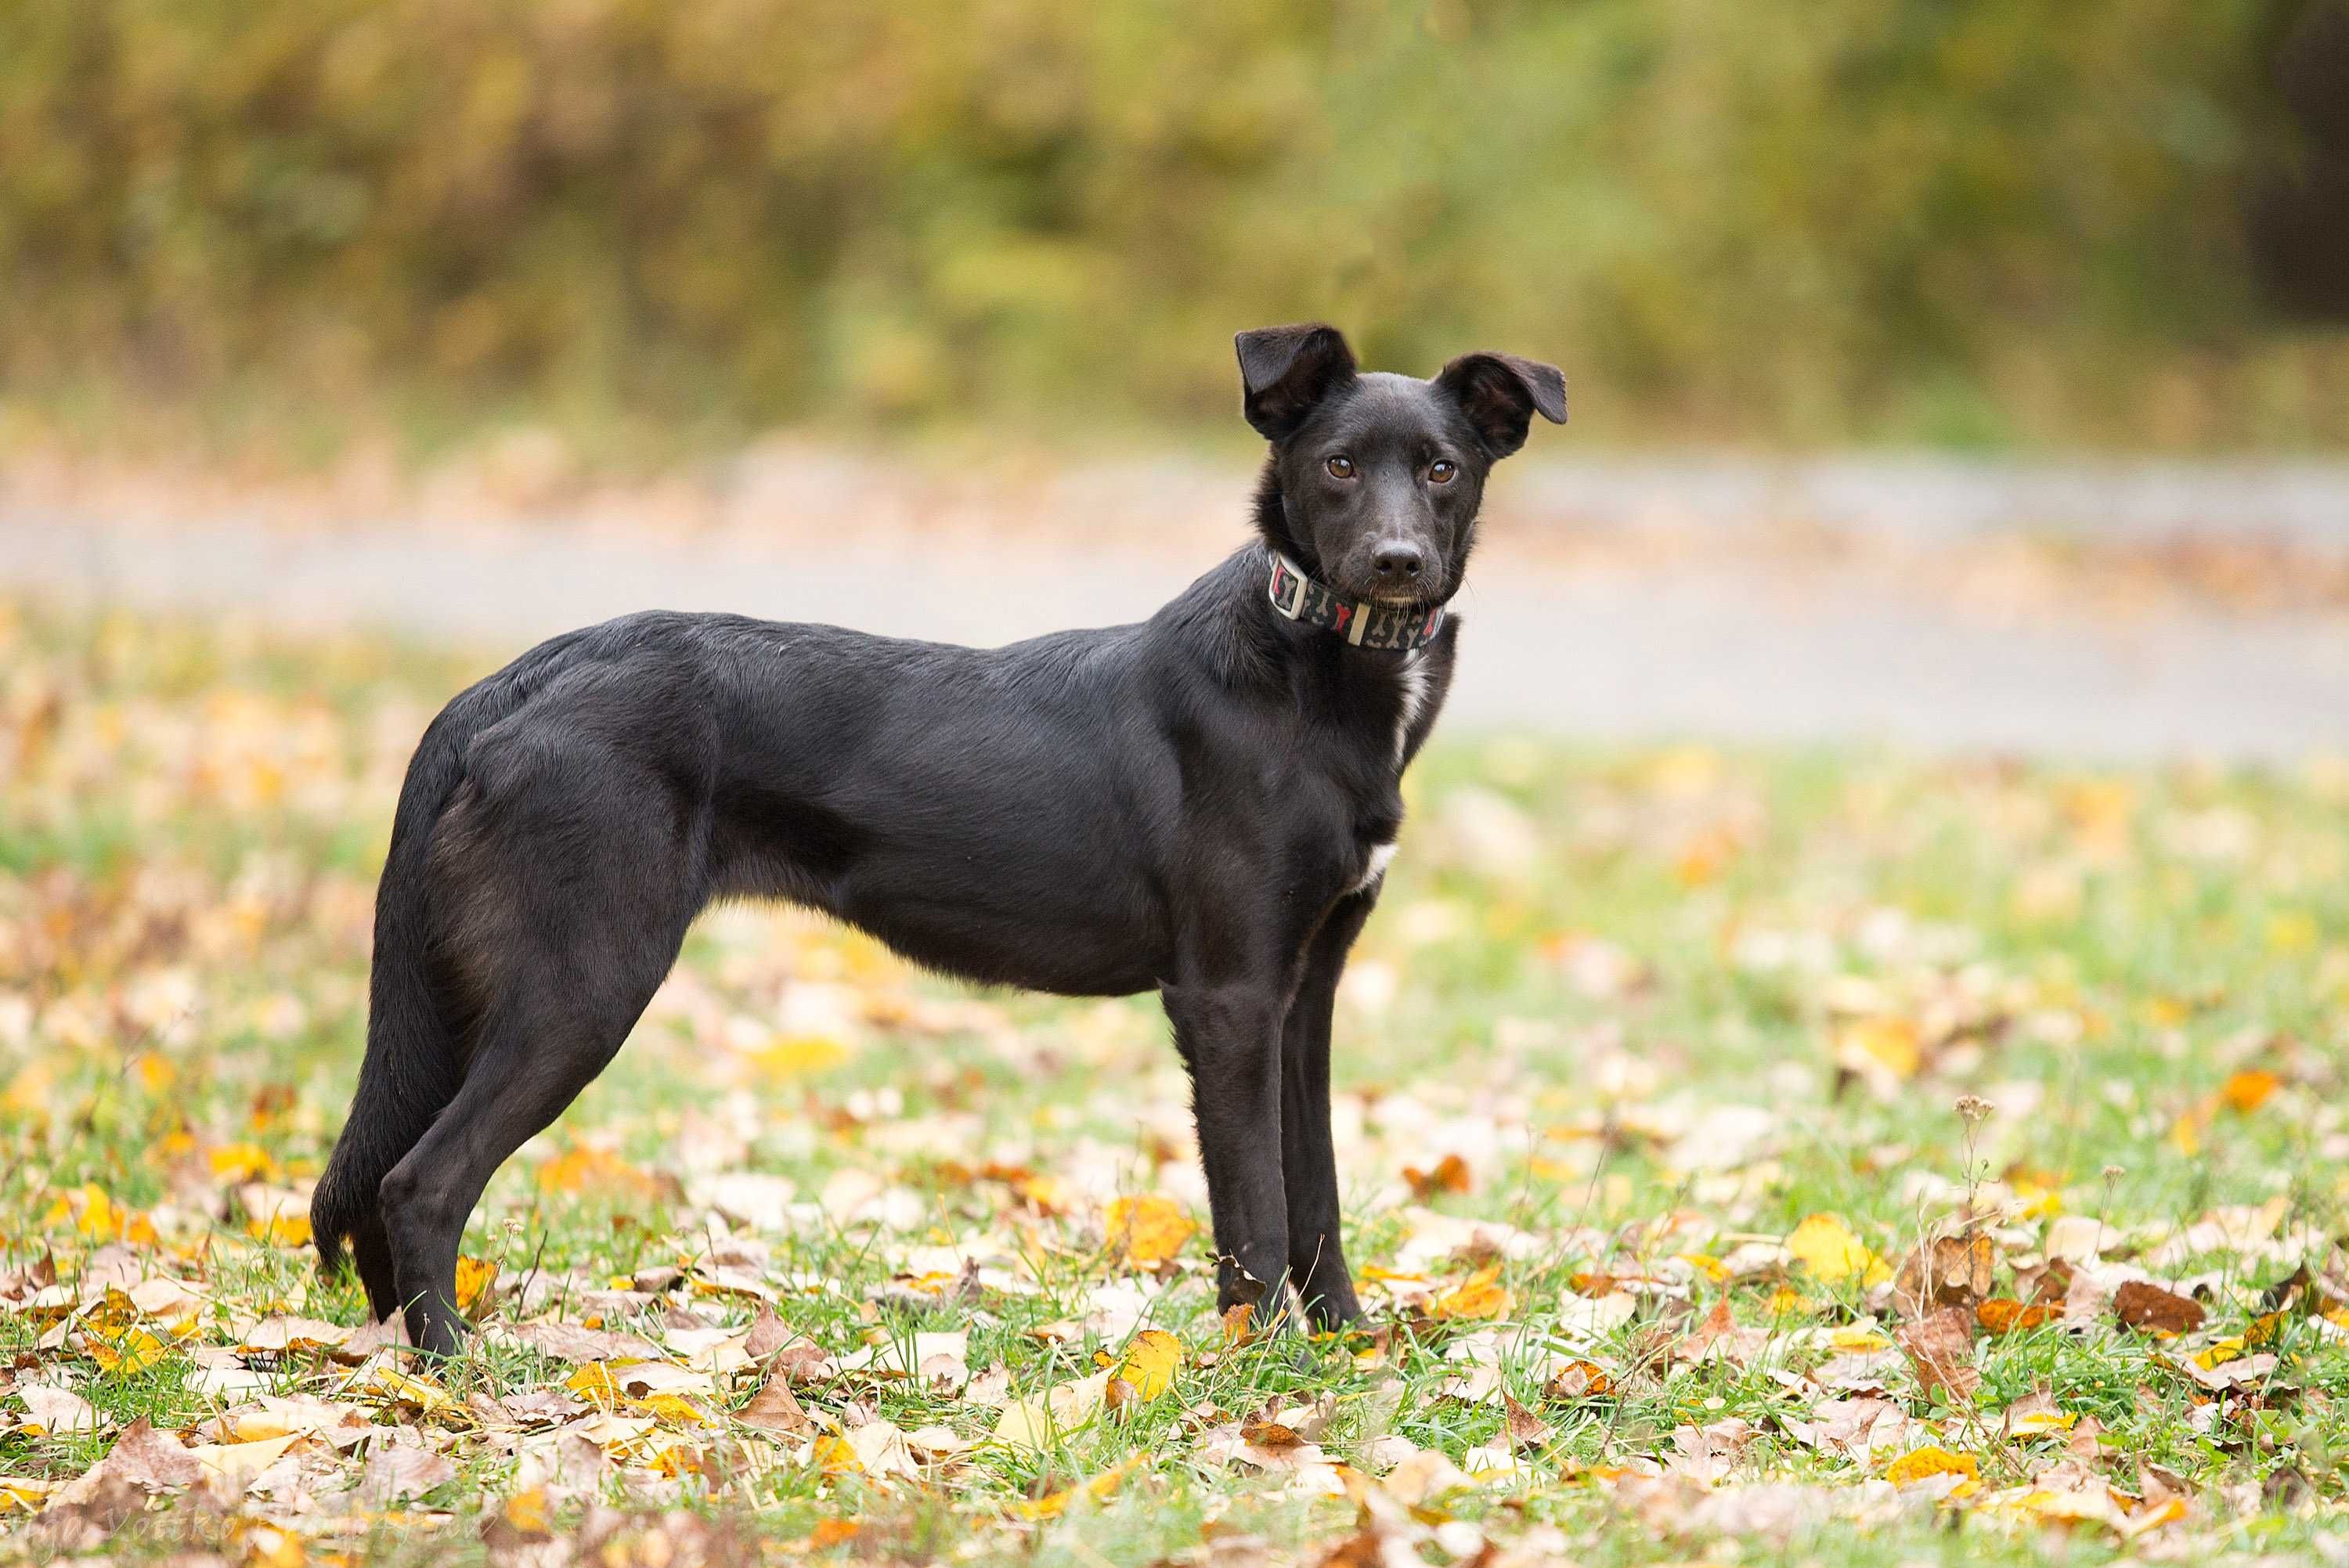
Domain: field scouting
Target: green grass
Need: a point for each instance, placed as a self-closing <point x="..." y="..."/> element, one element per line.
<point x="1663" y="1002"/>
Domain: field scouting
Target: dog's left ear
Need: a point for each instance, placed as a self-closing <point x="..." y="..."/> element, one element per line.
<point x="1287" y="371"/>
<point x="1500" y="393"/>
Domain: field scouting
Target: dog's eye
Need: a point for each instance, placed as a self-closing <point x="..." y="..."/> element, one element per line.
<point x="1442" y="472"/>
<point x="1341" y="468"/>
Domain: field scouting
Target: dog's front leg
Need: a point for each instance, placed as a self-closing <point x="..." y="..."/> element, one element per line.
<point x="1229" y="1035"/>
<point x="1316" y="1260"/>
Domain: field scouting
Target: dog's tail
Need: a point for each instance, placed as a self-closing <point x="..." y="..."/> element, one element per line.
<point x="413" y="1065"/>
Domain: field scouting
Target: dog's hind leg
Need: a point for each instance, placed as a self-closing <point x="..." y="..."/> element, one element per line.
<point x="565" y="903"/>
<point x="1309" y="1163"/>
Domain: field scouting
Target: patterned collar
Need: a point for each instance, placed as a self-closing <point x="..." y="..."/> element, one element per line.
<point x="1397" y="628"/>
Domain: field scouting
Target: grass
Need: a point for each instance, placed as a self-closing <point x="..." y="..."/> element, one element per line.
<point x="1647" y="1017"/>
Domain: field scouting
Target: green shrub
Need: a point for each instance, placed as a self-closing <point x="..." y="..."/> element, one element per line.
<point x="2001" y="220"/>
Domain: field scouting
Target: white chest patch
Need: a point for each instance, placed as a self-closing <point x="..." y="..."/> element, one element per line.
<point x="1413" y="674"/>
<point x="1382" y="855"/>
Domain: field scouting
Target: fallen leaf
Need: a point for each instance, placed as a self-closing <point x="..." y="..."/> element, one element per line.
<point x="773" y="1409"/>
<point x="1149" y="1231"/>
<point x="2248" y="1090"/>
<point x="2143" y="1305"/>
<point x="56" y="1412"/>
<point x="397" y="1471"/>
<point x="2001" y="1314"/>
<point x="474" y="1278"/>
<point x="1578" y="1380"/>
<point x="1151" y="1362"/>
<point x="1922" y="1464"/>
<point x="1527" y="1432"/>
<point x="1940" y="1348"/>
<point x="1480" y="1295"/>
<point x="1827" y="1246"/>
<point x="1449" y="1174"/>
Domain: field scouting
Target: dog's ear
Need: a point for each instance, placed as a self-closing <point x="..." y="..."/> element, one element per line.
<point x="1287" y="370"/>
<point x="1501" y="393"/>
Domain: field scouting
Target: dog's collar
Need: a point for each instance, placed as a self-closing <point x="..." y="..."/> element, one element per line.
<point x="1365" y="623"/>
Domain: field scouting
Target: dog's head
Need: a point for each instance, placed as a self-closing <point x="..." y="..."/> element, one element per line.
<point x="1375" y="478"/>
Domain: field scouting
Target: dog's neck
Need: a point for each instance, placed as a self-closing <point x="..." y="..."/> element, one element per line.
<point x="1300" y="592"/>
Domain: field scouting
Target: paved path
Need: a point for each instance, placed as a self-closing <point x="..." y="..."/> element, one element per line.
<point x="1675" y="648"/>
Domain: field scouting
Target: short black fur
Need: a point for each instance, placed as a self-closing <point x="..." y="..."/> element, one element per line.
<point x="1199" y="805"/>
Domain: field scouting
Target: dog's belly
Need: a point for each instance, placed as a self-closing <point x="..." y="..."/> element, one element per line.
<point x="1046" y="922"/>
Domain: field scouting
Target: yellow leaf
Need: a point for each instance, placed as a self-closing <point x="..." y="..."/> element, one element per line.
<point x="2185" y="1135"/>
<point x="243" y="1163"/>
<point x="2250" y="1089"/>
<point x="1026" y="1425"/>
<point x="525" y="1511"/>
<point x="834" y="1455"/>
<point x="1151" y="1361"/>
<point x="267" y="1546"/>
<point x="2293" y="931"/>
<point x="1149" y="1230"/>
<point x="405" y="1388"/>
<point x="1921" y="1464"/>
<point x="795" y="1056"/>
<point x="581" y="1167"/>
<point x="1706" y="1264"/>
<point x="1884" y="1043"/>
<point x="1480" y="1294"/>
<point x="1828" y="1248"/>
<point x="1858" y="1338"/>
<point x="592" y="1381"/>
<point x="128" y="1354"/>
<point x="2222" y="1351"/>
<point x="673" y="1408"/>
<point x="1100" y="1488"/>
<point x="280" y="1230"/>
<point x="474" y="1277"/>
<point x="25" y="1494"/>
<point x="2039" y="1423"/>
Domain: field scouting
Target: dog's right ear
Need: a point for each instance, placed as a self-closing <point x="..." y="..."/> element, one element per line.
<point x="1287" y="371"/>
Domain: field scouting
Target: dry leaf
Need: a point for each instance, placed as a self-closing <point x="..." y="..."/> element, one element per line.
<point x="1923" y="1464"/>
<point x="1480" y="1295"/>
<point x="773" y="1409"/>
<point x="2143" y="1305"/>
<point x="1148" y="1231"/>
<point x="1151" y="1362"/>
<point x="1827" y="1246"/>
<point x="1940" y="1348"/>
<point x="1526" y="1429"/>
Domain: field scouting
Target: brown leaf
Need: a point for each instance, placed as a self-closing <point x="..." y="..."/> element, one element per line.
<point x="1450" y="1175"/>
<point x="156" y="1460"/>
<point x="1527" y="1432"/>
<point x="773" y="1409"/>
<point x="394" y="1472"/>
<point x="2142" y="1305"/>
<point x="767" y="1333"/>
<point x="1718" y="1324"/>
<point x="1235" y="1323"/>
<point x="569" y="1341"/>
<point x="1270" y="1435"/>
<point x="1940" y="1348"/>
<point x="1949" y="1271"/>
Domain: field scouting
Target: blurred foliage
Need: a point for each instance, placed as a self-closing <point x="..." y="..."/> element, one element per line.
<point x="2000" y="222"/>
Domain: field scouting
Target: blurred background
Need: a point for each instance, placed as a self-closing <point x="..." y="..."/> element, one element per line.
<point x="1955" y="373"/>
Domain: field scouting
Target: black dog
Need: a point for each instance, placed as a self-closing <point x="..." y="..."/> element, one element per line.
<point x="1202" y="804"/>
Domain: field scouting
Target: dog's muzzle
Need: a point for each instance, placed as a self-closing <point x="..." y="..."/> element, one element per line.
<point x="1365" y="623"/>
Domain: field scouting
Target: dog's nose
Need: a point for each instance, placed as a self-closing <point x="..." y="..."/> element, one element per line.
<point x="1398" y="563"/>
